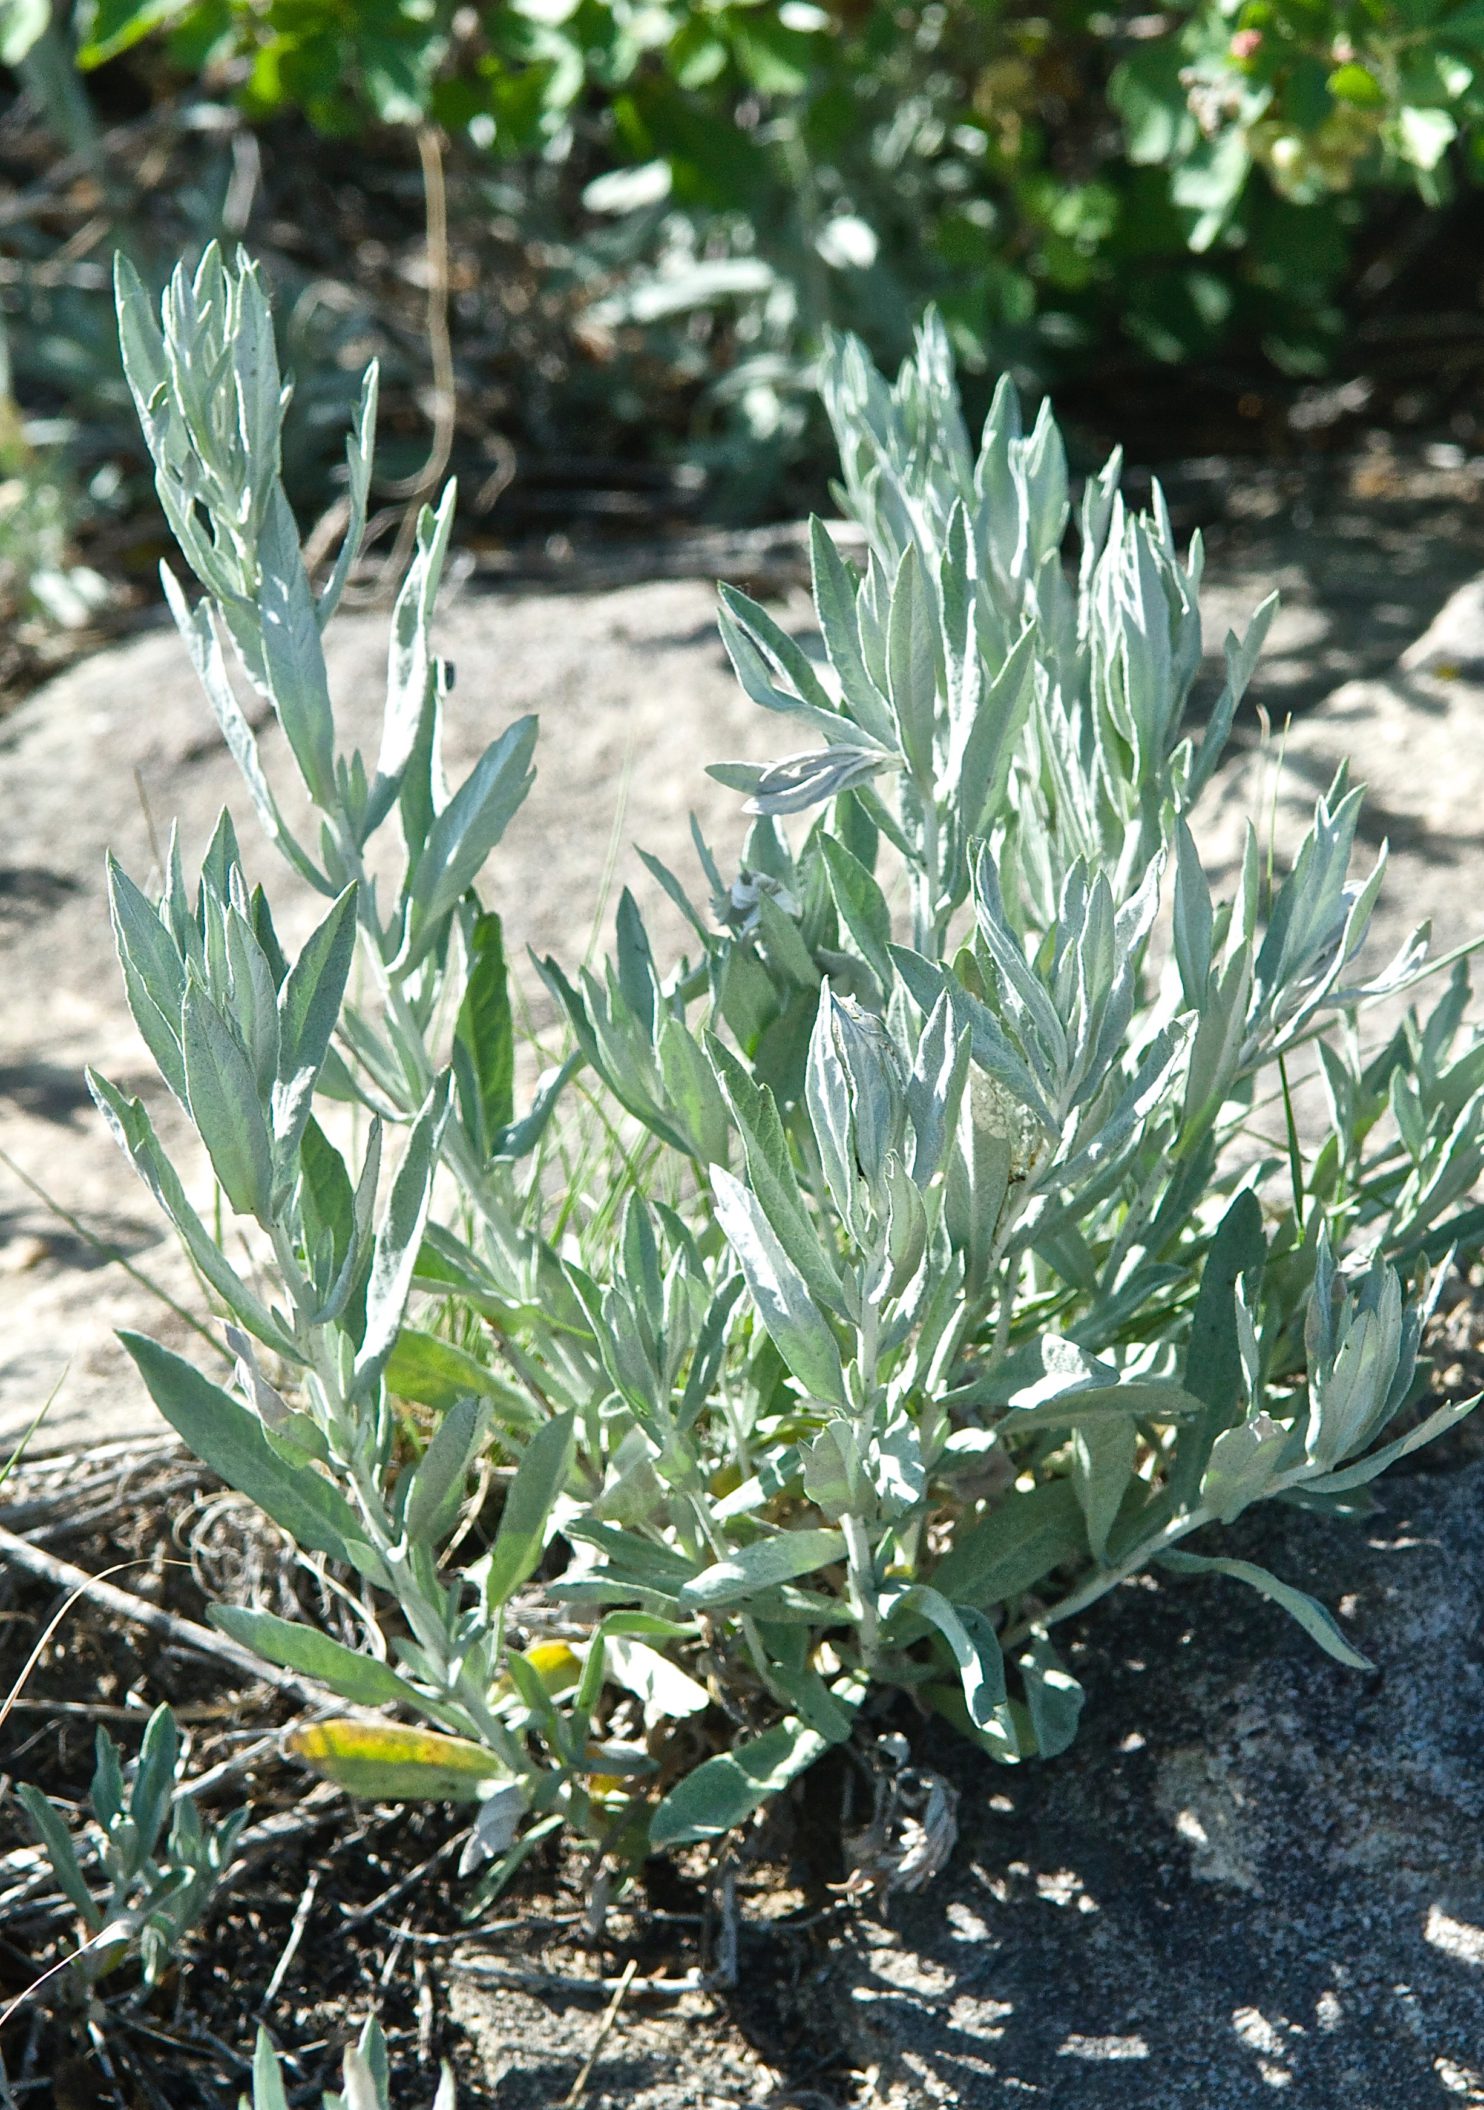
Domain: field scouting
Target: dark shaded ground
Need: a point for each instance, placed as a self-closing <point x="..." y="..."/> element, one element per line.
<point x="1258" y="1875"/>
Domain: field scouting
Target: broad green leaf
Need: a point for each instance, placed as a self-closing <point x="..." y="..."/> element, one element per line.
<point x="463" y="835"/>
<point x="971" y="1639"/>
<point x="225" y="1107"/>
<point x="761" y="1566"/>
<point x="664" y="1690"/>
<point x="1317" y="1622"/>
<point x="484" y="1039"/>
<point x="634" y="1561"/>
<point x="521" y="1538"/>
<point x="693" y="1093"/>
<point x="388" y="1763"/>
<point x="1053" y="1696"/>
<point x="723" y="1792"/>
<point x="434" y="1372"/>
<point x="440" y="1477"/>
<point x="308" y="1007"/>
<point x="1213" y="1358"/>
<point x="1242" y="1465"/>
<point x="1016" y="1546"/>
<point x="225" y="1436"/>
<point x="1102" y="1467"/>
<point x="1089" y="1406"/>
<point x="362" y="1680"/>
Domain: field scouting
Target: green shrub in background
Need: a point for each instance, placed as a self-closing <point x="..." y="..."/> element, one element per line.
<point x="1060" y="181"/>
<point x="939" y="1270"/>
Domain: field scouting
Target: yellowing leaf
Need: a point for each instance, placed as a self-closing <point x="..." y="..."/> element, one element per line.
<point x="389" y="1763"/>
<point x="554" y="1664"/>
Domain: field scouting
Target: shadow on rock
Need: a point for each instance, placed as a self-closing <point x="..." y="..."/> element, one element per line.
<point x="1258" y="1877"/>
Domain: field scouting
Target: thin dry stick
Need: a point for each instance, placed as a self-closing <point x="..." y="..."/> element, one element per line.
<point x="492" y="1973"/>
<point x="183" y="1632"/>
<point x="578" y="2089"/>
<point x="47" y="1631"/>
<point x="415" y="489"/>
<point x="296" y="1934"/>
<point x="111" y="1253"/>
<point x="104" y="1934"/>
<point x="21" y="1448"/>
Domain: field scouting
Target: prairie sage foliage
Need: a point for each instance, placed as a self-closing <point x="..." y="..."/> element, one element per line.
<point x="957" y="1277"/>
<point x="141" y="1875"/>
<point x="365" y="2078"/>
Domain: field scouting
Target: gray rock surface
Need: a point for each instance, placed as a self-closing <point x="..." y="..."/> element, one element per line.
<point x="1257" y="1877"/>
<point x="1415" y="739"/>
<point x="635" y="696"/>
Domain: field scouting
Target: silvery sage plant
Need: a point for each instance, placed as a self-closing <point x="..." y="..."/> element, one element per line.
<point x="955" y="1276"/>
<point x="142" y="1873"/>
<point x="365" y="2077"/>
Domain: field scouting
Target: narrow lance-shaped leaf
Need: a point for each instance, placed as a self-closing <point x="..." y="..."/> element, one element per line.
<point x="771" y="1175"/>
<point x="799" y="1332"/>
<point x="463" y="835"/>
<point x="225" y="1436"/>
<point x="1213" y="1359"/>
<point x="972" y="1642"/>
<point x="723" y="1792"/>
<point x="399" y="1235"/>
<point x="388" y="1763"/>
<point x="135" y="1135"/>
<point x="411" y="672"/>
<point x="361" y="1679"/>
<point x="1052" y="1695"/>
<point x="52" y="1831"/>
<point x="359" y="451"/>
<point x="154" y="1778"/>
<point x="912" y="665"/>
<point x="521" y="1539"/>
<point x="1318" y="1623"/>
<point x="224" y="1105"/>
<point x="762" y="1566"/>
<point x="439" y="1478"/>
<point x="484" y="1039"/>
<point x="291" y="657"/>
<point x="308" y="1008"/>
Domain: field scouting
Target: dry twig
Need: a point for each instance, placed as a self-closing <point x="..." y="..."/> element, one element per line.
<point x="578" y="2089"/>
<point x="125" y="1605"/>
